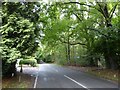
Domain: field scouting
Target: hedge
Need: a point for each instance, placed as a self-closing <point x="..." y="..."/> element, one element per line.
<point x="31" y="61"/>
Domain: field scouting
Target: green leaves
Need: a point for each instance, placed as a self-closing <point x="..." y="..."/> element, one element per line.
<point x="19" y="32"/>
<point x="9" y="54"/>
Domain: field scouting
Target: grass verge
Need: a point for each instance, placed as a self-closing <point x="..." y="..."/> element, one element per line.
<point x="19" y="81"/>
<point x="108" y="74"/>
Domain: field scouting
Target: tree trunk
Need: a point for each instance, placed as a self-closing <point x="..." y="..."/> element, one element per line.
<point x="68" y="50"/>
<point x="74" y="55"/>
<point x="110" y="62"/>
<point x="113" y="61"/>
<point x="21" y="69"/>
<point x="69" y="53"/>
<point x="91" y="62"/>
<point x="107" y="62"/>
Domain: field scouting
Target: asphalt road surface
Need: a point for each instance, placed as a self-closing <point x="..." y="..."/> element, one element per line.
<point x="54" y="76"/>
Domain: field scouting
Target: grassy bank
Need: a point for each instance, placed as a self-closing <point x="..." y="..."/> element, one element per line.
<point x="19" y="81"/>
<point x="108" y="74"/>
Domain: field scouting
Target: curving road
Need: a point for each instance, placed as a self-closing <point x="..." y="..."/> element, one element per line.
<point x="54" y="76"/>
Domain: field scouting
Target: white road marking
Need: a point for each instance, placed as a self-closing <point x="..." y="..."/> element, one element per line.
<point x="76" y="82"/>
<point x="35" y="81"/>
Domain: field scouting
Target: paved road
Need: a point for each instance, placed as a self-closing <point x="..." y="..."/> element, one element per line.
<point x="54" y="76"/>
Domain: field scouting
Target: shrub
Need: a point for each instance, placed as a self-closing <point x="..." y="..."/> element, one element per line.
<point x="29" y="61"/>
<point x="8" y="59"/>
<point x="82" y="62"/>
<point x="61" y="61"/>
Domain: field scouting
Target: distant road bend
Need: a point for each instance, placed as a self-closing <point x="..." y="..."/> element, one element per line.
<point x="54" y="76"/>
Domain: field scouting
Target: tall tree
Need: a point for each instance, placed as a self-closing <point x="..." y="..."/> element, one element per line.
<point x="19" y="31"/>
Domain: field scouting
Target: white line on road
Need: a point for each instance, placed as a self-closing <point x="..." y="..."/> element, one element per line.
<point x="76" y="82"/>
<point x="36" y="81"/>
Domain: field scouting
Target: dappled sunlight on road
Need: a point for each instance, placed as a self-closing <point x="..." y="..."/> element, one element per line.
<point x="29" y="70"/>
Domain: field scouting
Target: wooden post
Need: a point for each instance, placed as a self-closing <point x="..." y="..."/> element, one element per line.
<point x="21" y="69"/>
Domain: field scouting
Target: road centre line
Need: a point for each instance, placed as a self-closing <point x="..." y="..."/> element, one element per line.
<point x="76" y="82"/>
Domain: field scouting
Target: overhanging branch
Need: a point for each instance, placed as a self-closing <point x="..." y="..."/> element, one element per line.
<point x="98" y="32"/>
<point x="77" y="3"/>
<point x="92" y="6"/>
<point x="112" y="11"/>
<point x="72" y="43"/>
<point x="77" y="17"/>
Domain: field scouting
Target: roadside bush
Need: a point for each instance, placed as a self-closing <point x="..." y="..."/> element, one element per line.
<point x="8" y="57"/>
<point x="48" y="59"/>
<point x="30" y="61"/>
<point x="82" y="62"/>
<point x="61" y="61"/>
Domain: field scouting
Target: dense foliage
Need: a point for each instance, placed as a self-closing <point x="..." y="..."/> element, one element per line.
<point x="29" y="61"/>
<point x="83" y="33"/>
<point x="19" y="34"/>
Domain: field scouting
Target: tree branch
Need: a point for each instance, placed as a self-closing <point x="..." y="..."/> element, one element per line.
<point x="77" y="17"/>
<point x="73" y="43"/>
<point x="77" y="3"/>
<point x="77" y="43"/>
<point x="112" y="11"/>
<point x="101" y="10"/>
<point x="92" y="6"/>
<point x="98" y="31"/>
